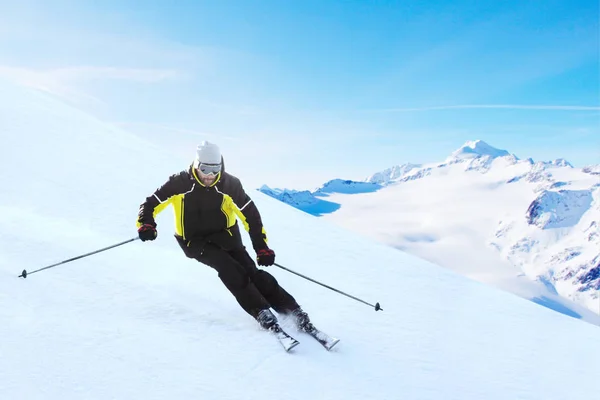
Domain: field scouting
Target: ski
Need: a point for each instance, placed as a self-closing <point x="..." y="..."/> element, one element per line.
<point x="286" y="340"/>
<point x="324" y="339"/>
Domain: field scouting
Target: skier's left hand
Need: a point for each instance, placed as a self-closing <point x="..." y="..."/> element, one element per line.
<point x="265" y="257"/>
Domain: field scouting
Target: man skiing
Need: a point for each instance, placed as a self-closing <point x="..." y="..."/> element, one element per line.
<point x="207" y="202"/>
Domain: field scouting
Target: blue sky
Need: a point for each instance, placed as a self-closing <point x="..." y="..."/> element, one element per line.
<point x="298" y="92"/>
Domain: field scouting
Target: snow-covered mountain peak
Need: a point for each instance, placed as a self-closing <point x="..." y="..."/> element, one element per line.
<point x="592" y="169"/>
<point x="560" y="162"/>
<point x="559" y="209"/>
<point x="474" y="149"/>
<point x="391" y="174"/>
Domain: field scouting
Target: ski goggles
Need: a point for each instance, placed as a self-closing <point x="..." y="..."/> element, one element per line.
<point x="209" y="169"/>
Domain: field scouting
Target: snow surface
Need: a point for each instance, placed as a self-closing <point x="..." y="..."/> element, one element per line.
<point x="141" y="321"/>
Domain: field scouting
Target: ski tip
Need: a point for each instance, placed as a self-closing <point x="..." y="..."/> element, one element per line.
<point x="290" y="347"/>
<point x="330" y="346"/>
<point x="378" y="307"/>
<point x="23" y="274"/>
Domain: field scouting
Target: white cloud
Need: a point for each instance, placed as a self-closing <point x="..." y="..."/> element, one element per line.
<point x="64" y="81"/>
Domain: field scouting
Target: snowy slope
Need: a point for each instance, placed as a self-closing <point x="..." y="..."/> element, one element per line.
<point x="487" y="214"/>
<point x="391" y="174"/>
<point x="143" y="322"/>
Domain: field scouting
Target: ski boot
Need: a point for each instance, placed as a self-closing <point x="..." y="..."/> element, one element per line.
<point x="302" y="320"/>
<point x="267" y="320"/>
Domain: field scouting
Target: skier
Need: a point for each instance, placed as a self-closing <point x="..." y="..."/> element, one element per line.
<point x="207" y="202"/>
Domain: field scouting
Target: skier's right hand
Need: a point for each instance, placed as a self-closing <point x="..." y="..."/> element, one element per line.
<point x="147" y="232"/>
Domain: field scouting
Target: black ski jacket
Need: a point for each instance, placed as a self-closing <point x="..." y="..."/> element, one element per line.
<point x="206" y="214"/>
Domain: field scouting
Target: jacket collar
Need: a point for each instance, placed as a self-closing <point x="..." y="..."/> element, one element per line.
<point x="195" y="176"/>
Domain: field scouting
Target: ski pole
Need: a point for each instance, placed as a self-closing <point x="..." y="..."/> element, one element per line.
<point x="377" y="306"/>
<point x="25" y="273"/>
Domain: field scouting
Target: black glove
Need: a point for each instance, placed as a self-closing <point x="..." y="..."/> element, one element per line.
<point x="265" y="257"/>
<point x="147" y="232"/>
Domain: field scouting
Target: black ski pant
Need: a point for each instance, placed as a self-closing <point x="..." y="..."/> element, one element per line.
<point x="253" y="288"/>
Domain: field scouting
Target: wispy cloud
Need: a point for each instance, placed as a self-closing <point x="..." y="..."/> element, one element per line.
<point x="144" y="75"/>
<point x="492" y="106"/>
<point x="64" y="81"/>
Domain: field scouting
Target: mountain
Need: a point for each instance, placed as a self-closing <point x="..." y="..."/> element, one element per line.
<point x="391" y="174"/>
<point x="141" y="321"/>
<point x="476" y="149"/>
<point x="557" y="242"/>
<point x="347" y="187"/>
<point x="303" y="200"/>
<point x="592" y="169"/>
<point x="517" y="217"/>
<point x="314" y="202"/>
